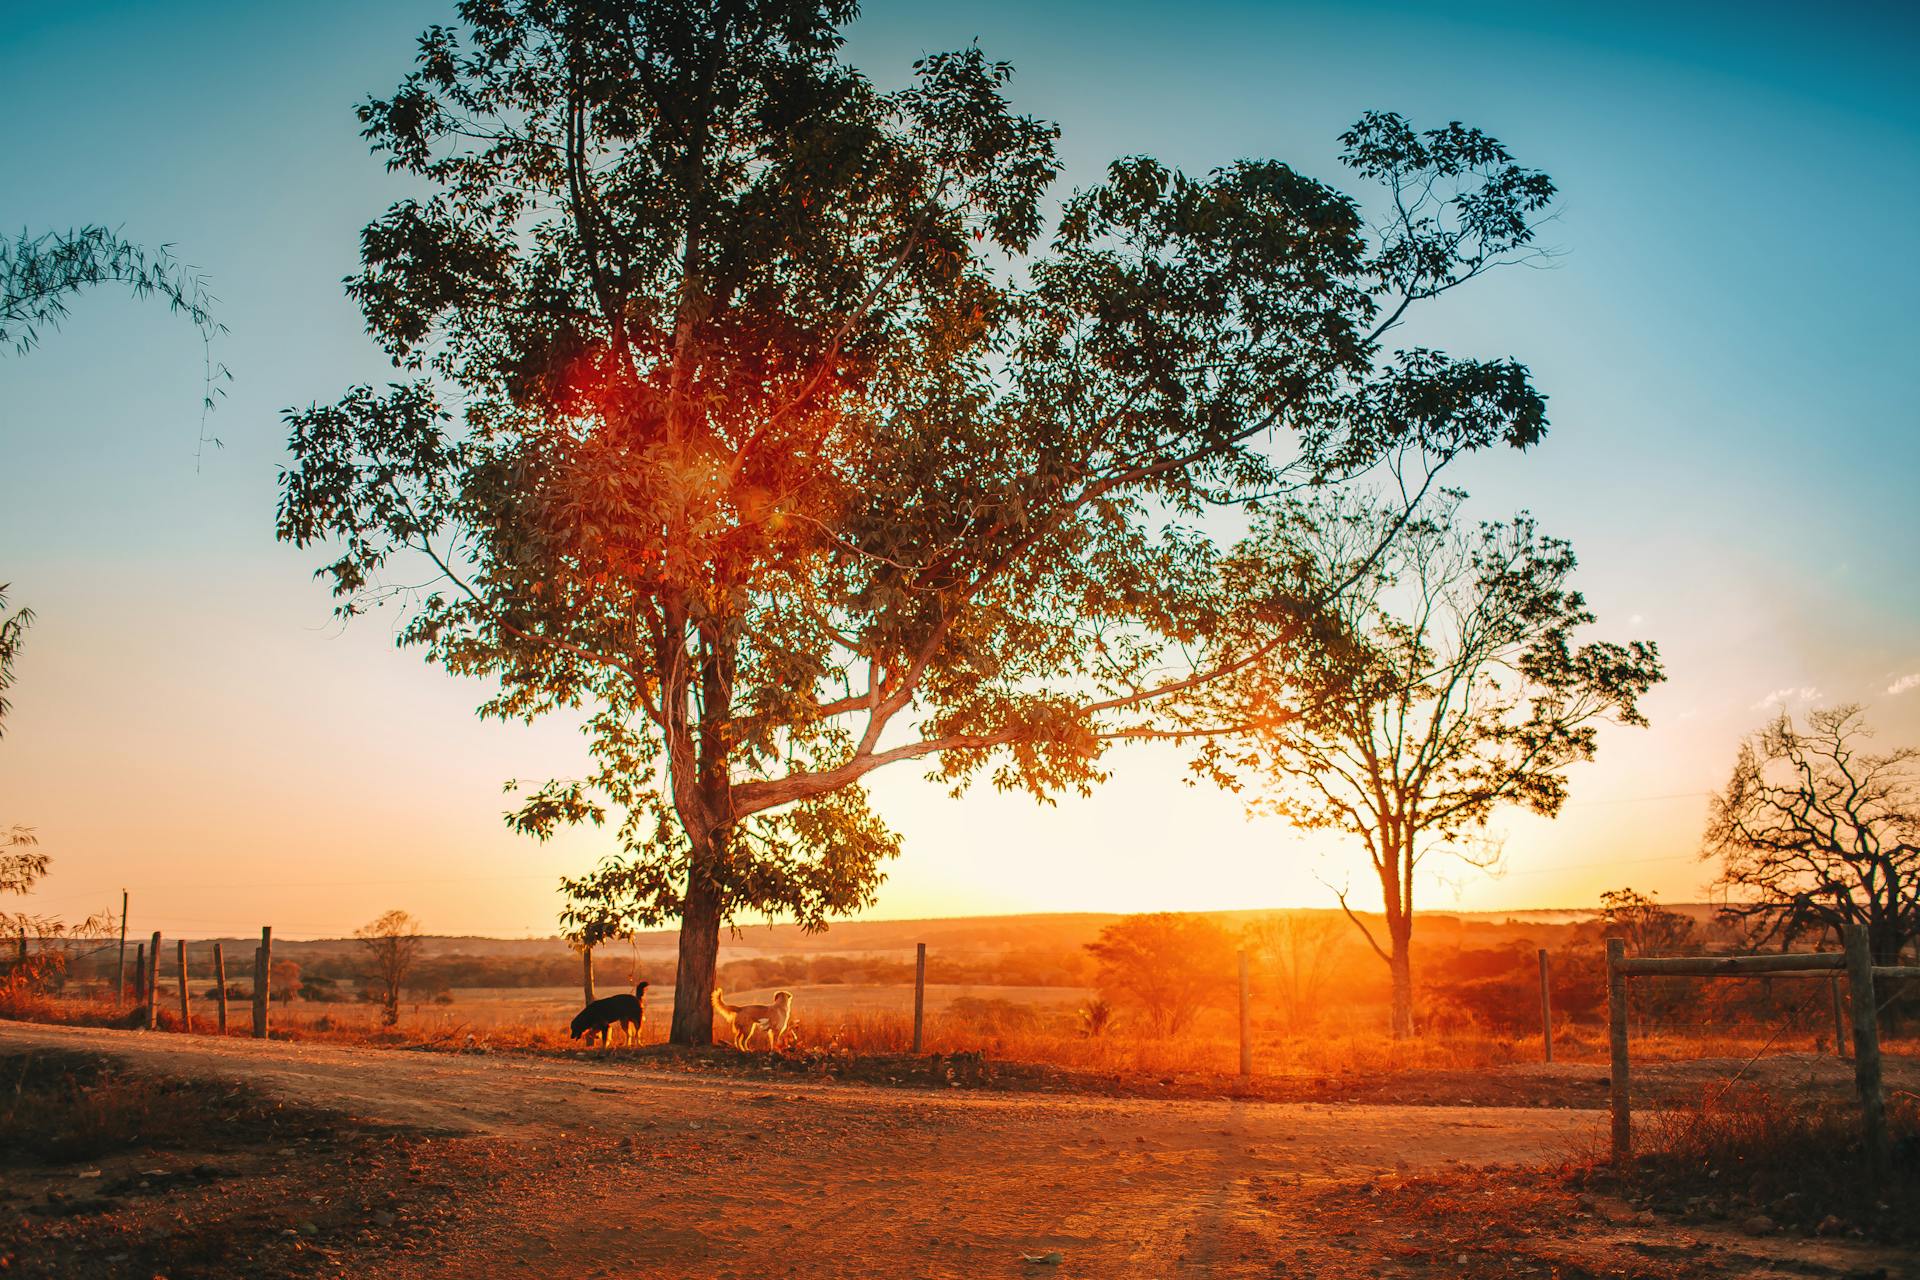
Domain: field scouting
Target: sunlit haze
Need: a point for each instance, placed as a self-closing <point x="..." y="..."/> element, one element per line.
<point x="1725" y="335"/>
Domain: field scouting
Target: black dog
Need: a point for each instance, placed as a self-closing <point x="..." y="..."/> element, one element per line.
<point x="603" y="1015"/>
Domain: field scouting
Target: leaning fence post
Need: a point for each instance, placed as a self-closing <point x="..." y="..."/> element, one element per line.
<point x="1246" y="1041"/>
<point x="153" y="983"/>
<point x="1546" y="1010"/>
<point x="1621" y="1101"/>
<point x="186" y="1010"/>
<point x="1866" y="1053"/>
<point x="220" y="982"/>
<point x="919" y="995"/>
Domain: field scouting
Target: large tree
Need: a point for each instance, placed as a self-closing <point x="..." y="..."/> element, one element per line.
<point x="1433" y="673"/>
<point x="743" y="419"/>
<point x="1815" y="831"/>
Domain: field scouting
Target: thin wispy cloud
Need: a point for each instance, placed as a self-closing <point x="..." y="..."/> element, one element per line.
<point x="1781" y="697"/>
<point x="1905" y="684"/>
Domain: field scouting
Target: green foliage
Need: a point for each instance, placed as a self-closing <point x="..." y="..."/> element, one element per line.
<point x="13" y="631"/>
<point x="1445" y="660"/>
<point x="40" y="274"/>
<point x="21" y="864"/>
<point x="749" y="410"/>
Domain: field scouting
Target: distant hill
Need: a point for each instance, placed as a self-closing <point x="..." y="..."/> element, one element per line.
<point x="1046" y="931"/>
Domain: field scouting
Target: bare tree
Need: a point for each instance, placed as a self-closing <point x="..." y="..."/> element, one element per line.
<point x="1295" y="951"/>
<point x="1815" y="833"/>
<point x="390" y="945"/>
<point x="1434" y="677"/>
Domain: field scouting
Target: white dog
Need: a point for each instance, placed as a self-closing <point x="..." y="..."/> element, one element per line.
<point x="745" y="1019"/>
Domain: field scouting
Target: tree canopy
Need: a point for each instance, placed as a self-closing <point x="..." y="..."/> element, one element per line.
<point x="751" y="412"/>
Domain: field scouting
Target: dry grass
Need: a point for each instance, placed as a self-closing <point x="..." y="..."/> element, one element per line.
<point x="1732" y="1153"/>
<point x="59" y="1107"/>
<point x="1030" y="1029"/>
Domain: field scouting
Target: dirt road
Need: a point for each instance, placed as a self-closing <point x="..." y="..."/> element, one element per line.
<point x="751" y="1179"/>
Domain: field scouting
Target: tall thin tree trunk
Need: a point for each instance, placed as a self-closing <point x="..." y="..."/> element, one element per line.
<point x="699" y="958"/>
<point x="1401" y="966"/>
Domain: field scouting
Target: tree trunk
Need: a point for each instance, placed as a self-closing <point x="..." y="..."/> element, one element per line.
<point x="1401" y="965"/>
<point x="699" y="959"/>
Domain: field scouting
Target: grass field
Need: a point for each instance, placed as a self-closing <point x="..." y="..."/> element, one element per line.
<point x="1038" y="1027"/>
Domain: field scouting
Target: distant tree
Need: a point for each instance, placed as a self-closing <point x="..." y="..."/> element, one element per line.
<point x="772" y="464"/>
<point x="1815" y="832"/>
<point x="1648" y="928"/>
<point x="1164" y="967"/>
<point x="389" y="947"/>
<point x="286" y="980"/>
<point x="1295" y="953"/>
<point x="1432" y="676"/>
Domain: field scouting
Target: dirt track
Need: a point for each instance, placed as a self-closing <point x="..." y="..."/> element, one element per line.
<point x="751" y="1179"/>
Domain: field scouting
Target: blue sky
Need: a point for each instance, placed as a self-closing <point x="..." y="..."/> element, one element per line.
<point x="1726" y="338"/>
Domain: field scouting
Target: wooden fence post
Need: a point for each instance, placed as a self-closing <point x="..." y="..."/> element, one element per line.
<point x="120" y="969"/>
<point x="220" y="982"/>
<point x="919" y="995"/>
<point x="139" y="969"/>
<point x="1839" y="1018"/>
<point x="1246" y="1040"/>
<point x="263" y="981"/>
<point x="153" y="983"/>
<point x="186" y="1010"/>
<point x="1866" y="1053"/>
<point x="1621" y="1101"/>
<point x="586" y="973"/>
<point x="1546" y="1009"/>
